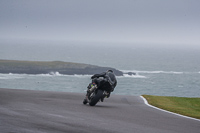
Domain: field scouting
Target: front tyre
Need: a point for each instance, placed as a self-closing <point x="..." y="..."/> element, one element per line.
<point x="96" y="98"/>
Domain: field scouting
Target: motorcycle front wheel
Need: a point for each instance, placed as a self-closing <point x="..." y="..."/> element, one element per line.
<point x="95" y="98"/>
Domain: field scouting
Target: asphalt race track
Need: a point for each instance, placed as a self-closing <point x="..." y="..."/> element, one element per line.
<point x="25" y="111"/>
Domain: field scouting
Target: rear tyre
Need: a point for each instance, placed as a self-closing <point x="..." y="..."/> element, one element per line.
<point x="96" y="98"/>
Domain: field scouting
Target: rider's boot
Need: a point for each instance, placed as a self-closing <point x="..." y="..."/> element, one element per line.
<point x="85" y="101"/>
<point x="102" y="98"/>
<point x="106" y="94"/>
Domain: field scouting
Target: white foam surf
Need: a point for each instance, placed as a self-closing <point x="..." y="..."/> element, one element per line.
<point x="152" y="72"/>
<point x="11" y="76"/>
<point x="133" y="76"/>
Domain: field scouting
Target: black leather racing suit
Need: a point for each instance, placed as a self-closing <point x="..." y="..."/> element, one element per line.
<point x="107" y="82"/>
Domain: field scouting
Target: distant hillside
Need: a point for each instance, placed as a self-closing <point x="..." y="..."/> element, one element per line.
<point x="43" y="67"/>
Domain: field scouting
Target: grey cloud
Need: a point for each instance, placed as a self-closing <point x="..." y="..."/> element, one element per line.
<point x="146" y="21"/>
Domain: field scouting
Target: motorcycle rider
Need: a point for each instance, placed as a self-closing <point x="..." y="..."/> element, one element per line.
<point x="106" y="80"/>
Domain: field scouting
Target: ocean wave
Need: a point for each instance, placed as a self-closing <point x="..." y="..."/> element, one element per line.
<point x="55" y="74"/>
<point x="11" y="76"/>
<point x="51" y="74"/>
<point x="59" y="74"/>
<point x="152" y="72"/>
<point x="133" y="76"/>
<point x="82" y="75"/>
<point x="126" y="74"/>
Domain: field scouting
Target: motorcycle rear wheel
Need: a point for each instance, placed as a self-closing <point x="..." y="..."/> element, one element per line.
<point x="96" y="98"/>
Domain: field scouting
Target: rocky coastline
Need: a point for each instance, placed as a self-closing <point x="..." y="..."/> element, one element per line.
<point x="44" y="67"/>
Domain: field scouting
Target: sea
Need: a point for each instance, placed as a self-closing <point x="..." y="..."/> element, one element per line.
<point x="159" y="71"/>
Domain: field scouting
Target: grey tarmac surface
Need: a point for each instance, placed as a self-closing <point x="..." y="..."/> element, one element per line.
<point x="26" y="111"/>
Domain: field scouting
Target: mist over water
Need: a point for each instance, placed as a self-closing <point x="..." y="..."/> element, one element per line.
<point x="121" y="56"/>
<point x="159" y="71"/>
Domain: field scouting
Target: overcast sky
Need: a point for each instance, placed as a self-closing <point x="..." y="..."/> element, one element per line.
<point x="118" y="21"/>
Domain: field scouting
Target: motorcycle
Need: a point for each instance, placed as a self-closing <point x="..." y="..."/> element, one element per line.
<point x="95" y="94"/>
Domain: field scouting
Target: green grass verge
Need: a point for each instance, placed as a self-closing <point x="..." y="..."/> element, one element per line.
<point x="181" y="105"/>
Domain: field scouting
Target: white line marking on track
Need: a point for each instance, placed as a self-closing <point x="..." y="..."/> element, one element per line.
<point x="146" y="102"/>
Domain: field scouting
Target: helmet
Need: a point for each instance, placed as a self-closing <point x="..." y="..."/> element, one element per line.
<point x="110" y="71"/>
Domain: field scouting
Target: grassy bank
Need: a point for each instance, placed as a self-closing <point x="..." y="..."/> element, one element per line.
<point x="181" y="105"/>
